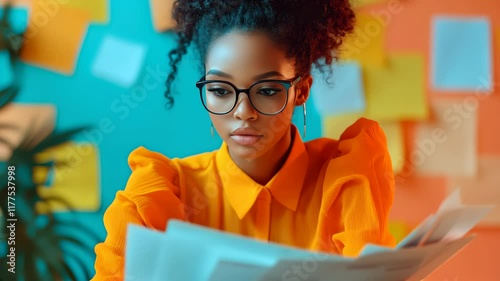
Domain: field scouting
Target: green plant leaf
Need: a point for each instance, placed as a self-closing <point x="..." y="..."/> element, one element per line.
<point x="8" y="95"/>
<point x="58" y="138"/>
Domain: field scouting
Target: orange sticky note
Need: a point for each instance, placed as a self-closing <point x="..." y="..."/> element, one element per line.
<point x="484" y="189"/>
<point x="366" y="44"/>
<point x="54" y="38"/>
<point x="25" y="3"/>
<point x="25" y="125"/>
<point x="98" y="9"/>
<point x="161" y="13"/>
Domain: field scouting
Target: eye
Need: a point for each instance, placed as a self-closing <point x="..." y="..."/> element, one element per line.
<point x="220" y="92"/>
<point x="269" y="91"/>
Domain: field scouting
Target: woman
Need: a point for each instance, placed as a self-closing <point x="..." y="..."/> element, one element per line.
<point x="264" y="182"/>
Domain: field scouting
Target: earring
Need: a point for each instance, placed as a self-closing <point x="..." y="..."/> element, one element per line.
<point x="305" y="113"/>
<point x="212" y="129"/>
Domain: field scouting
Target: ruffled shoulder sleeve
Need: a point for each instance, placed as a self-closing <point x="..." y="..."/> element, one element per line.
<point x="358" y="190"/>
<point x="150" y="198"/>
<point x="154" y="187"/>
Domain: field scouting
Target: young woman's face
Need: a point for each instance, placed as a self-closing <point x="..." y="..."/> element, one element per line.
<point x="243" y="58"/>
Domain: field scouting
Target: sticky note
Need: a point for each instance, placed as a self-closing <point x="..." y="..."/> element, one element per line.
<point x="461" y="54"/>
<point x="396" y="92"/>
<point x="7" y="76"/>
<point x="395" y="144"/>
<point x="446" y="144"/>
<point x="366" y="44"/>
<point x="161" y="14"/>
<point x="119" y="61"/>
<point x="343" y="92"/>
<point x="334" y="126"/>
<point x="24" y="3"/>
<point x="32" y="124"/>
<point x="98" y="9"/>
<point x="18" y="19"/>
<point x="483" y="189"/>
<point x="56" y="44"/>
<point x="399" y="230"/>
<point x="75" y="183"/>
<point x="361" y="3"/>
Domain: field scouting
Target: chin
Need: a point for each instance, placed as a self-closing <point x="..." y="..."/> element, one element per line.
<point x="244" y="152"/>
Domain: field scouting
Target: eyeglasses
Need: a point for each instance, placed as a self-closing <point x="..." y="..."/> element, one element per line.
<point x="268" y="97"/>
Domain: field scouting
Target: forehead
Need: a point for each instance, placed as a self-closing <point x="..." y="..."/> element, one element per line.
<point x="247" y="54"/>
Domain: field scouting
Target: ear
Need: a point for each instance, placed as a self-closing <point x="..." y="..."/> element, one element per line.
<point x="302" y="90"/>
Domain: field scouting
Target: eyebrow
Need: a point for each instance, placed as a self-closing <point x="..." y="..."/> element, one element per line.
<point x="258" y="77"/>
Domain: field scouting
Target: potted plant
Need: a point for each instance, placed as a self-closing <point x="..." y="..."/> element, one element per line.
<point x="31" y="242"/>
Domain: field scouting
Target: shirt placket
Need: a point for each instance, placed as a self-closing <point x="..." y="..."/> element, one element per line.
<point x="263" y="215"/>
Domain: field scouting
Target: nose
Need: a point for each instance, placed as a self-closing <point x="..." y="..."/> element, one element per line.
<point x="244" y="109"/>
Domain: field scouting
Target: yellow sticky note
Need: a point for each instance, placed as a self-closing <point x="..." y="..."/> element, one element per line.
<point x="483" y="189"/>
<point x="98" y="9"/>
<point x="360" y="3"/>
<point x="399" y="230"/>
<point x="73" y="184"/>
<point x="334" y="126"/>
<point x="396" y="92"/>
<point x="56" y="43"/>
<point x="161" y="13"/>
<point x="447" y="144"/>
<point x="395" y="143"/>
<point x="366" y="44"/>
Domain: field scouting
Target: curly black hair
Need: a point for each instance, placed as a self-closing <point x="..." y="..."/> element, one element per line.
<point x="308" y="30"/>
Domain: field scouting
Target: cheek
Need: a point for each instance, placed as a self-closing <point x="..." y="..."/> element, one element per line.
<point x="219" y="122"/>
<point x="277" y="125"/>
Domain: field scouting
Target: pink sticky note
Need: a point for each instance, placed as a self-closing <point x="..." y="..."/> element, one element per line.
<point x="447" y="144"/>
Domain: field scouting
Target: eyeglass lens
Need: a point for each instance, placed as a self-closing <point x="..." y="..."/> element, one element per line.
<point x="266" y="97"/>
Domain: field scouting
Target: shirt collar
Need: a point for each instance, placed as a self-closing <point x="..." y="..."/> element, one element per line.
<point x="285" y="186"/>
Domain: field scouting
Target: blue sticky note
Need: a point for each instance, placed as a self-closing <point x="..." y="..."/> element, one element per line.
<point x="341" y="93"/>
<point x="7" y="74"/>
<point x="119" y="61"/>
<point x="461" y="54"/>
<point x="18" y="19"/>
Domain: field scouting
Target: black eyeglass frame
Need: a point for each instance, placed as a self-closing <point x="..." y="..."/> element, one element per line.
<point x="286" y="83"/>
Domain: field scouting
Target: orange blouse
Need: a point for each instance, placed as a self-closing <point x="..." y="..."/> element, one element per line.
<point x="331" y="196"/>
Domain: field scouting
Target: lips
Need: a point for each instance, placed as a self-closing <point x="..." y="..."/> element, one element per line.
<point x="246" y="136"/>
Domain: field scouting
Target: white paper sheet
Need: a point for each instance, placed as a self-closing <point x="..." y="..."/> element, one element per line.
<point x="192" y="252"/>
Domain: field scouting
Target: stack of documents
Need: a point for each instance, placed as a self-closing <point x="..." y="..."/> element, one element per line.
<point x="192" y="252"/>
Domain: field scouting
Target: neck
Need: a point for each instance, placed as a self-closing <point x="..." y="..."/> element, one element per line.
<point x="263" y="168"/>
